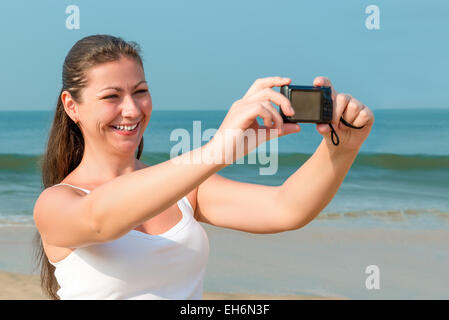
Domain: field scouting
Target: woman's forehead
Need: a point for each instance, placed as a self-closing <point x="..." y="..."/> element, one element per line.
<point x="124" y="73"/>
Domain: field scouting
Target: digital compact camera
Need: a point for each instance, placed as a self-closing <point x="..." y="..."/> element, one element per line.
<point x="311" y="104"/>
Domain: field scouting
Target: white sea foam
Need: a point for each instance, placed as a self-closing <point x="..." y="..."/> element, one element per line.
<point x="16" y="220"/>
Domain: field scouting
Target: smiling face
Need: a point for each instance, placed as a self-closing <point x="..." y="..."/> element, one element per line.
<point x="115" y="100"/>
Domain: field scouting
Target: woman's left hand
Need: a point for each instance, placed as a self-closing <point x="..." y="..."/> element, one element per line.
<point x="353" y="111"/>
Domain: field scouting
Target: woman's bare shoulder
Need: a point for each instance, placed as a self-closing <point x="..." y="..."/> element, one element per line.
<point x="58" y="189"/>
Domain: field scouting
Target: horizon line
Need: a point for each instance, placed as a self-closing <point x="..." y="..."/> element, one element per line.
<point x="209" y="109"/>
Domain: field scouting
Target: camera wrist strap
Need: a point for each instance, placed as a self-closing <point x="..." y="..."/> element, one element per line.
<point x="334" y="136"/>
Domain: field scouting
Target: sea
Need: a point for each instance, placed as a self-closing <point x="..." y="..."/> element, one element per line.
<point x="400" y="178"/>
<point x="391" y="211"/>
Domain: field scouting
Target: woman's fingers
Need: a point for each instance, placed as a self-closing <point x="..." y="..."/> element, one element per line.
<point x="258" y="110"/>
<point x="364" y="118"/>
<point x="277" y="119"/>
<point x="325" y="82"/>
<point x="277" y="98"/>
<point x="283" y="128"/>
<point x="352" y="110"/>
<point x="264" y="83"/>
<point x="278" y="124"/>
<point x="341" y="102"/>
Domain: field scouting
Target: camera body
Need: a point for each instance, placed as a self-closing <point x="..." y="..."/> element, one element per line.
<point x="311" y="104"/>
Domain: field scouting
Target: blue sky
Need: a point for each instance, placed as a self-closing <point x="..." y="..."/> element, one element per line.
<point x="206" y="54"/>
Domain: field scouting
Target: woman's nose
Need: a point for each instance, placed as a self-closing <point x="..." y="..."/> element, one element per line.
<point x="130" y="109"/>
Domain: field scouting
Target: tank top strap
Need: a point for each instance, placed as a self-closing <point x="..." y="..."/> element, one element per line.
<point x="185" y="206"/>
<point x="85" y="190"/>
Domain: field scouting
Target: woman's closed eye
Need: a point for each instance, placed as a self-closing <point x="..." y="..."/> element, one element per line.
<point x="141" y="91"/>
<point x="111" y="96"/>
<point x="115" y="96"/>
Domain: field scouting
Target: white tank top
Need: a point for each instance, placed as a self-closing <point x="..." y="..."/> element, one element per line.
<point x="138" y="265"/>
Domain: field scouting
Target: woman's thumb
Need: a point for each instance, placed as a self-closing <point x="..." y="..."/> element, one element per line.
<point x="290" y="128"/>
<point x="323" y="128"/>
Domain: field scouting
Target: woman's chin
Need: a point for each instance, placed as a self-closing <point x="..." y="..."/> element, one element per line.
<point x="127" y="148"/>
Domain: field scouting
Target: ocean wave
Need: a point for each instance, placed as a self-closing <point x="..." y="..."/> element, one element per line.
<point x="16" y="221"/>
<point x="383" y="161"/>
<point x="20" y="162"/>
<point x="31" y="163"/>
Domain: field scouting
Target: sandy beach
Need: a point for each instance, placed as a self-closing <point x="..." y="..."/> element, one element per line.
<point x="316" y="262"/>
<point x="16" y="286"/>
<point x="16" y="252"/>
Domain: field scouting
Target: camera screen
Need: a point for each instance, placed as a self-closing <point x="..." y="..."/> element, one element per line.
<point x="306" y="104"/>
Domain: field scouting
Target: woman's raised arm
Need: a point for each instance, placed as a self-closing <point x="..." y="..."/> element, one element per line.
<point x="268" y="209"/>
<point x="308" y="191"/>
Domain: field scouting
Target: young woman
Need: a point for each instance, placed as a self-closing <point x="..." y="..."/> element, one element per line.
<point x="111" y="227"/>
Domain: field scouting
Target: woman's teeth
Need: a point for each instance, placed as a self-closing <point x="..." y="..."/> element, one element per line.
<point x="128" y="128"/>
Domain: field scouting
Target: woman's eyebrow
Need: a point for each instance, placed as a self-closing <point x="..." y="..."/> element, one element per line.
<point x="142" y="81"/>
<point x="120" y="89"/>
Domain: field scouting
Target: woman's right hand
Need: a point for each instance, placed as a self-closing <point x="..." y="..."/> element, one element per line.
<point x="228" y="144"/>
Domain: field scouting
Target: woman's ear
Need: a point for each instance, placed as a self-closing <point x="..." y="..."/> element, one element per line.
<point x="69" y="106"/>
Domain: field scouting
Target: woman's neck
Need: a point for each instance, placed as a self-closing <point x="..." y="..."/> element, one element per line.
<point x="96" y="168"/>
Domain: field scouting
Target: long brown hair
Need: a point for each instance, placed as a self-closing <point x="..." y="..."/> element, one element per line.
<point x="65" y="146"/>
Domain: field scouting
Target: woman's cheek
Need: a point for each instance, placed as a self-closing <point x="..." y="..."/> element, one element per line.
<point x="148" y="106"/>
